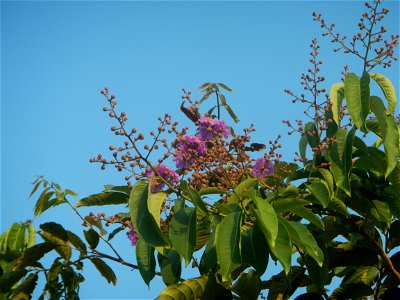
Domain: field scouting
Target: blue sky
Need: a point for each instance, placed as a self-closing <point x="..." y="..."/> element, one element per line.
<point x="57" y="56"/>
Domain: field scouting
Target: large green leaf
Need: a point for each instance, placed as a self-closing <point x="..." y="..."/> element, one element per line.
<point x="266" y="219"/>
<point x="328" y="177"/>
<point x="254" y="250"/>
<point x="188" y="289"/>
<point x="336" y="97"/>
<point x="142" y="220"/>
<point x="182" y="232"/>
<point x="25" y="289"/>
<point x="248" y="285"/>
<point x="31" y="238"/>
<point x="310" y="132"/>
<point x="227" y="241"/>
<point x="241" y="190"/>
<point x="56" y="234"/>
<point x="303" y="238"/>
<point x="288" y="204"/>
<point x="77" y="242"/>
<point x="309" y="215"/>
<point x="209" y="257"/>
<point x="356" y="91"/>
<point x="105" y="198"/>
<point x="195" y="199"/>
<point x="104" y="270"/>
<point x="303" y="142"/>
<point x="92" y="237"/>
<point x="321" y="192"/>
<point x="154" y="205"/>
<point x="32" y="255"/>
<point x="319" y="274"/>
<point x="146" y="261"/>
<point x="283" y="248"/>
<point x="283" y="285"/>
<point x="391" y="144"/>
<point x="8" y="279"/>
<point x="388" y="90"/>
<point x="16" y="237"/>
<point x="170" y="266"/>
<point x="341" y="158"/>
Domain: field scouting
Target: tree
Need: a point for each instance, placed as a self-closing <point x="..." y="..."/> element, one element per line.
<point x="336" y="213"/>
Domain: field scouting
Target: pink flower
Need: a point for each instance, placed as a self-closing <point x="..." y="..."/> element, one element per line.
<point x="187" y="149"/>
<point x="132" y="236"/>
<point x="262" y="167"/>
<point x="210" y="128"/>
<point x="166" y="173"/>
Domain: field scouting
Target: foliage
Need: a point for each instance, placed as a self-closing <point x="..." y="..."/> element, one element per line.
<point x="228" y="214"/>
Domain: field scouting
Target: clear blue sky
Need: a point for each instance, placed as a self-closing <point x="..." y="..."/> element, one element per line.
<point x="57" y="56"/>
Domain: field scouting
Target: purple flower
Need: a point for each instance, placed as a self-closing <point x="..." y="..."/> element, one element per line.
<point x="262" y="167"/>
<point x="210" y="128"/>
<point x="165" y="172"/>
<point x="132" y="236"/>
<point x="187" y="149"/>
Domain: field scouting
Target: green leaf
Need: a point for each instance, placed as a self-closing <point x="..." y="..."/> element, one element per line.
<point x="142" y="220"/>
<point x="266" y="219"/>
<point x="42" y="203"/>
<point x="170" y="266"/>
<point x="241" y="190"/>
<point x="310" y="216"/>
<point x="195" y="199"/>
<point x="356" y="91"/>
<point x="336" y="97"/>
<point x="224" y="87"/>
<point x="56" y="234"/>
<point x="195" y="288"/>
<point x="388" y="90"/>
<point x="114" y="233"/>
<point x="54" y="271"/>
<point x="320" y="191"/>
<point x="104" y="270"/>
<point x="77" y="242"/>
<point x="341" y="158"/>
<point x="92" y="237"/>
<point x="211" y="190"/>
<point x="379" y="110"/>
<point x="209" y="257"/>
<point x="32" y="255"/>
<point x="146" y="261"/>
<point x="182" y="232"/>
<point x="227" y="241"/>
<point x="283" y="248"/>
<point x="303" y="238"/>
<point x="311" y="134"/>
<point x="9" y="279"/>
<point x="282" y="286"/>
<point x="328" y="177"/>
<point x="25" y="289"/>
<point x="391" y="144"/>
<point x="254" y="250"/>
<point x="303" y="145"/>
<point x="31" y="238"/>
<point x="284" y="205"/>
<point x="16" y="237"/>
<point x="154" y="205"/>
<point x="248" y="285"/>
<point x="105" y="198"/>
<point x="338" y="205"/>
<point x="231" y="113"/>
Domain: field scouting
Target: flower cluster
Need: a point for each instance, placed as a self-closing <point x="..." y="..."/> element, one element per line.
<point x="132" y="236"/>
<point x="210" y="128"/>
<point x="188" y="148"/>
<point x="262" y="167"/>
<point x="166" y="173"/>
